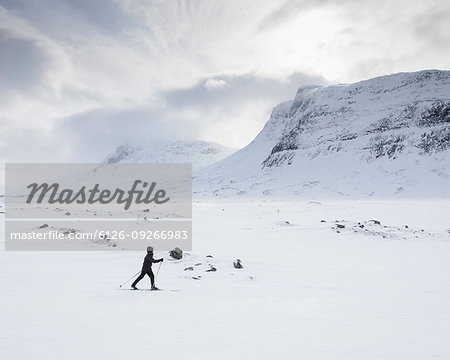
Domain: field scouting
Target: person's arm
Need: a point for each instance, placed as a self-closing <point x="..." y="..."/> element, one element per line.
<point x="159" y="260"/>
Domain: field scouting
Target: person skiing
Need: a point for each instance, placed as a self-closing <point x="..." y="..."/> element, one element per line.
<point x="147" y="269"/>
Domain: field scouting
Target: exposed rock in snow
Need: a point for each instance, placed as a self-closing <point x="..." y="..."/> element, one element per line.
<point x="374" y="228"/>
<point x="176" y="253"/>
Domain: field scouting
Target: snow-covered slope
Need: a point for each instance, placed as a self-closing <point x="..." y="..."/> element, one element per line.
<point x="199" y="153"/>
<point x="380" y="137"/>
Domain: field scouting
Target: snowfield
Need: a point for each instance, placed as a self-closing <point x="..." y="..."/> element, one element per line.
<point x="306" y="291"/>
<point x="363" y="275"/>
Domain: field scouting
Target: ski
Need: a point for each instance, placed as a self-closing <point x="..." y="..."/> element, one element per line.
<point x="149" y="289"/>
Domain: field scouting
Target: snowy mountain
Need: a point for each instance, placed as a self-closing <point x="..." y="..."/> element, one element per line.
<point x="200" y="153"/>
<point x="387" y="136"/>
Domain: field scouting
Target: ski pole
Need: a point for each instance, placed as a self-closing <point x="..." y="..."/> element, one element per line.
<point x="158" y="271"/>
<point x="130" y="278"/>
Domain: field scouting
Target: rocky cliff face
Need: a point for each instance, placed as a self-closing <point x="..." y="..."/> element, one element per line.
<point x="384" y="116"/>
<point x="383" y="136"/>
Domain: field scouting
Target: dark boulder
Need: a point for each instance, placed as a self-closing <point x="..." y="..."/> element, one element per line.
<point x="176" y="253"/>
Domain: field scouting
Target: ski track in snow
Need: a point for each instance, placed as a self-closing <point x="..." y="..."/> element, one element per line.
<point x="306" y="291"/>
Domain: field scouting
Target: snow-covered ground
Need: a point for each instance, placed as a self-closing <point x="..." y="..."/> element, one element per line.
<point x="363" y="276"/>
<point x="306" y="290"/>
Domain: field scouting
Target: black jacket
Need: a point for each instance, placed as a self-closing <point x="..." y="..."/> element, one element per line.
<point x="148" y="261"/>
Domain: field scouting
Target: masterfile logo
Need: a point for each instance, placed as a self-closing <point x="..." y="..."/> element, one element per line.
<point x="98" y="206"/>
<point x="83" y="195"/>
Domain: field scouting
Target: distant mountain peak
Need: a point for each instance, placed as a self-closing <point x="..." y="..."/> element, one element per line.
<point x="199" y="153"/>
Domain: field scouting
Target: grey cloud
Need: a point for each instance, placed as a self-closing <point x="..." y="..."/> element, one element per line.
<point x="32" y="145"/>
<point x="51" y="16"/>
<point x="92" y="135"/>
<point x="427" y="18"/>
<point x="290" y="9"/>
<point x="238" y="90"/>
<point x="22" y="63"/>
<point x="434" y="28"/>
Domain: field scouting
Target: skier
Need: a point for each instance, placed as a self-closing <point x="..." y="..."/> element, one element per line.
<point x="147" y="269"/>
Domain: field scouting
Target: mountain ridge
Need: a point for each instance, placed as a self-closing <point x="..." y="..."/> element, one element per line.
<point x="385" y="136"/>
<point x="199" y="153"/>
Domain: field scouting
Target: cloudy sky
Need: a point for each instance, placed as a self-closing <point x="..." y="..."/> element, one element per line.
<point x="80" y="77"/>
